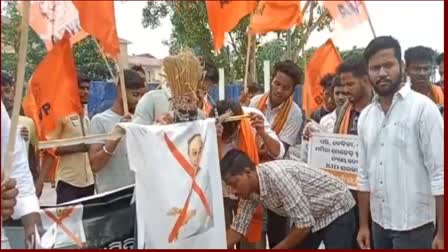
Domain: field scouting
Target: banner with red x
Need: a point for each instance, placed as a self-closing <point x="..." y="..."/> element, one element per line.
<point x="195" y="187"/>
<point x="65" y="213"/>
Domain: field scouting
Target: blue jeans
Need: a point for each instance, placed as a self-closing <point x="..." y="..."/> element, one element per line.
<point x="337" y="235"/>
<point x="418" y="238"/>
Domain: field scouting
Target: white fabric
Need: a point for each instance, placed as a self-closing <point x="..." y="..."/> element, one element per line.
<point x="27" y="201"/>
<point x="401" y="160"/>
<point x="328" y="121"/>
<point x="162" y="183"/>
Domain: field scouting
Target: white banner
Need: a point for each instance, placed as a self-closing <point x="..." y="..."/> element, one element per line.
<point x="178" y="185"/>
<point x="337" y="154"/>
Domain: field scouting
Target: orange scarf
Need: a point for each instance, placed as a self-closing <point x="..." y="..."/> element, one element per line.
<point x="343" y="129"/>
<point x="437" y="94"/>
<point x="282" y="116"/>
<point x="207" y="107"/>
<point x="248" y="145"/>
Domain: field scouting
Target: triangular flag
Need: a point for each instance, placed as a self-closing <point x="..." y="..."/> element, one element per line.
<point x="223" y="16"/>
<point x="53" y="91"/>
<point x="324" y="61"/>
<point x="347" y="13"/>
<point x="275" y="16"/>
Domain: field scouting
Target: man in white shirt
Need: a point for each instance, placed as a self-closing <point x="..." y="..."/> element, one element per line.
<point x="27" y="205"/>
<point x="401" y="158"/>
<point x="339" y="96"/>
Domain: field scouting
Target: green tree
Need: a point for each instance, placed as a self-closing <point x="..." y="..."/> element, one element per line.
<point x="190" y="30"/>
<point x="354" y="52"/>
<point x="87" y="56"/>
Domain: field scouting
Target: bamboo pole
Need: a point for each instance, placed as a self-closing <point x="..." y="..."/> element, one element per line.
<point x="20" y="78"/>
<point x="104" y="58"/>
<point x="122" y="81"/>
<point x="246" y="71"/>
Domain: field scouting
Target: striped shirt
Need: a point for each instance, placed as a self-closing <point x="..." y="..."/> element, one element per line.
<point x="310" y="197"/>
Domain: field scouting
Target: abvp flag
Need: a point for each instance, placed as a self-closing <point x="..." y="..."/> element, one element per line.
<point x="53" y="92"/>
<point x="51" y="20"/>
<point x="223" y="16"/>
<point x="324" y="61"/>
<point x="347" y="13"/>
<point x="275" y="16"/>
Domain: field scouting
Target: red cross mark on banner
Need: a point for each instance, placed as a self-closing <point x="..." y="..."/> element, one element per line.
<point x="181" y="220"/>
<point x="64" y="214"/>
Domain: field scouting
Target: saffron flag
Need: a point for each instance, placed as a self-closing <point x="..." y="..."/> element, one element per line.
<point x="347" y="13"/>
<point x="98" y="19"/>
<point x="224" y="15"/>
<point x="179" y="195"/>
<point x="324" y="61"/>
<point x="53" y="92"/>
<point x="275" y="16"/>
<point x="52" y="19"/>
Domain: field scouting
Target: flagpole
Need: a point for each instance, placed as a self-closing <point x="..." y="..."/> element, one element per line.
<point x="246" y="71"/>
<point x="104" y="58"/>
<point x="20" y="78"/>
<point x="122" y="81"/>
<point x="368" y="18"/>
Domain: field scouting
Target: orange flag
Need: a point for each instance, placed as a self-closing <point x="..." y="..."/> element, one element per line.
<point x="347" y="13"/>
<point x="275" y="16"/>
<point x="51" y="19"/>
<point x="324" y="61"/>
<point x="53" y="92"/>
<point x="98" y="19"/>
<point x="224" y="15"/>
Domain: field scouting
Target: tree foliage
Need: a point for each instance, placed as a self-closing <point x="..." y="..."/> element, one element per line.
<point x="190" y="30"/>
<point x="87" y="56"/>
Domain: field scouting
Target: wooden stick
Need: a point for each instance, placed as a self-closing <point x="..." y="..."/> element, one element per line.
<point x="116" y="134"/>
<point x="20" y="78"/>
<point x="122" y="82"/>
<point x="246" y="71"/>
<point x="235" y="118"/>
<point x="104" y="58"/>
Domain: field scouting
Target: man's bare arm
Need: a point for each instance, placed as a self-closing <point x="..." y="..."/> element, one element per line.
<point x="232" y="238"/>
<point x="67" y="150"/>
<point x="295" y="237"/>
<point x="99" y="157"/>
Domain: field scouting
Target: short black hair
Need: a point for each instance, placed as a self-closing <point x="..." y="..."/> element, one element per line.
<point x="354" y="65"/>
<point x="222" y="107"/>
<point x="439" y="59"/>
<point x="234" y="163"/>
<point x="382" y="43"/>
<point x="132" y="80"/>
<point x="211" y="73"/>
<point x="253" y="89"/>
<point x="83" y="78"/>
<point x="418" y="54"/>
<point x="337" y="81"/>
<point x="327" y="81"/>
<point x="138" y="68"/>
<point x="6" y="79"/>
<point x="289" y="68"/>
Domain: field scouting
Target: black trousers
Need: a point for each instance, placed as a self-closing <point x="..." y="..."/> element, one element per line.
<point x="66" y="192"/>
<point x="277" y="228"/>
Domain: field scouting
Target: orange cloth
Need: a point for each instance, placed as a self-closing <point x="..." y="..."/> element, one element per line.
<point x="343" y="129"/>
<point x="53" y="92"/>
<point x="207" y="106"/>
<point x="324" y="61"/>
<point x="223" y="16"/>
<point x="248" y="145"/>
<point x="347" y="13"/>
<point x="275" y="16"/>
<point x="282" y="116"/>
<point x="98" y="19"/>
<point x="437" y="94"/>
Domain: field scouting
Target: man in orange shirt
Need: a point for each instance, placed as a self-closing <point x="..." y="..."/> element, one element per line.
<point x="419" y="61"/>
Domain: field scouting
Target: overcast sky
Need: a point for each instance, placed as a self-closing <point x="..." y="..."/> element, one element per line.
<point x="411" y="22"/>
